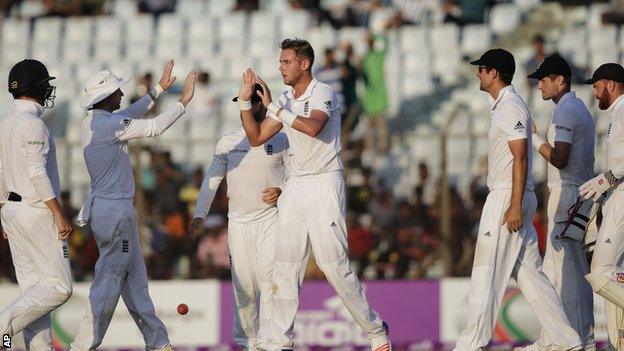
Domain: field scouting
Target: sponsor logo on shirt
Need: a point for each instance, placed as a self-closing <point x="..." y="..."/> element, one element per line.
<point x="306" y="108"/>
<point x="564" y="128"/>
<point x="519" y="126"/>
<point x="328" y="104"/>
<point x="35" y="142"/>
<point x="126" y="122"/>
<point x="238" y="151"/>
<point x="609" y="130"/>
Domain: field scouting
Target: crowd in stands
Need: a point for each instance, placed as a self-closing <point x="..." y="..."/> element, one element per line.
<point x="389" y="237"/>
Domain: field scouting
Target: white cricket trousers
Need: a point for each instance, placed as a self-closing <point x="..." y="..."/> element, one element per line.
<point x="42" y="268"/>
<point x="499" y="256"/>
<point x="608" y="260"/>
<point x="312" y="214"/>
<point x="565" y="265"/>
<point x="120" y="270"/>
<point x="251" y="248"/>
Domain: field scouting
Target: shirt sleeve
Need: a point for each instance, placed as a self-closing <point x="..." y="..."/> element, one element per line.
<point x="4" y="194"/>
<point x="128" y="128"/>
<point x="36" y="145"/>
<point x="211" y="182"/>
<point x="138" y="109"/>
<point x="324" y="99"/>
<point x="565" y="123"/>
<point x="513" y="121"/>
<point x="618" y="168"/>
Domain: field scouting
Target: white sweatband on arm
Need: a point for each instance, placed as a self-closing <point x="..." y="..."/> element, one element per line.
<point x="244" y="105"/>
<point x="537" y="141"/>
<point x="287" y="117"/>
<point x="273" y="115"/>
<point x="273" y="108"/>
<point x="155" y="92"/>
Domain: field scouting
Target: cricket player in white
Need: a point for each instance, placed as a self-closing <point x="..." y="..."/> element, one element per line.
<point x="32" y="218"/>
<point x="507" y="242"/>
<point x="607" y="273"/>
<point x="569" y="150"/>
<point x="254" y="174"/>
<point x="312" y="206"/>
<point x="120" y="269"/>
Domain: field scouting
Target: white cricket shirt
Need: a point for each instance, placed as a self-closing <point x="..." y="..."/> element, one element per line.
<point x="248" y="170"/>
<point x="573" y="124"/>
<point x="615" y="141"/>
<point x="510" y="121"/>
<point x="27" y="156"/>
<point x="312" y="156"/>
<point x="105" y="138"/>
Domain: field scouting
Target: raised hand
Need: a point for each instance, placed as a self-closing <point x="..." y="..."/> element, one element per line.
<point x="266" y="95"/>
<point x="247" y="85"/>
<point x="166" y="81"/>
<point x="189" y="88"/>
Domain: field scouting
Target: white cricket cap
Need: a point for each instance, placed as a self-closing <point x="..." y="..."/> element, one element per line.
<point x="99" y="86"/>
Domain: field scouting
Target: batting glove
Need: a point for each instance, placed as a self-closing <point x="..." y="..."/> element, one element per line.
<point x="595" y="187"/>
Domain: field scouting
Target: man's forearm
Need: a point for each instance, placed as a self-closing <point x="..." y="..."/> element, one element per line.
<point x="252" y="128"/>
<point x="518" y="180"/>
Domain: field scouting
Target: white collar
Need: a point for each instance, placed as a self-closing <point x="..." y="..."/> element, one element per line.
<point x="306" y="94"/>
<point x="31" y="107"/>
<point x="501" y="94"/>
<point x="615" y="105"/>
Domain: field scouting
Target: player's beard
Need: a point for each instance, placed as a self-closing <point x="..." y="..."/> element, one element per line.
<point x="603" y="100"/>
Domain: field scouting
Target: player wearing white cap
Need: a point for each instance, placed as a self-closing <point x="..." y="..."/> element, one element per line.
<point x="569" y="150"/>
<point x="254" y="174"/>
<point x="312" y="206"/>
<point x="32" y="219"/>
<point x="607" y="274"/>
<point x="507" y="242"/>
<point x="109" y="210"/>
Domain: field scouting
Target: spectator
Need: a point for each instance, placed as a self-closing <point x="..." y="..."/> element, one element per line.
<point x="539" y="54"/>
<point x="247" y="5"/>
<point x="615" y="13"/>
<point x="157" y="7"/>
<point x="375" y="100"/>
<point x="348" y="80"/>
<point x="330" y="73"/>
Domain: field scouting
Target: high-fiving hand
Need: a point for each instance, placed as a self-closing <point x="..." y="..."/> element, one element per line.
<point x="266" y="94"/>
<point x="189" y="88"/>
<point x="166" y="81"/>
<point x="247" y="85"/>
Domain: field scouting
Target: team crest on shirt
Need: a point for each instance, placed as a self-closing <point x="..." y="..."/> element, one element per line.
<point x="269" y="149"/>
<point x="126" y="122"/>
<point x="519" y="126"/>
<point x="328" y="104"/>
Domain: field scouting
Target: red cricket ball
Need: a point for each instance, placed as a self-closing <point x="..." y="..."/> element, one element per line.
<point x="183" y="309"/>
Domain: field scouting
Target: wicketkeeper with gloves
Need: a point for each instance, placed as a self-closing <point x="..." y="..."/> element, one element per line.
<point x="606" y="273"/>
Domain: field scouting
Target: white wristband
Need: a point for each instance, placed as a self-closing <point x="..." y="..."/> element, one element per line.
<point x="272" y="115"/>
<point x="273" y="108"/>
<point x="287" y="117"/>
<point x="244" y="105"/>
<point x="537" y="141"/>
<point x="155" y="92"/>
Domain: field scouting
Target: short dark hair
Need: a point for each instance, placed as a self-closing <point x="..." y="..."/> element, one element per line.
<point x="301" y="47"/>
<point x="538" y="39"/>
<point x="505" y="77"/>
